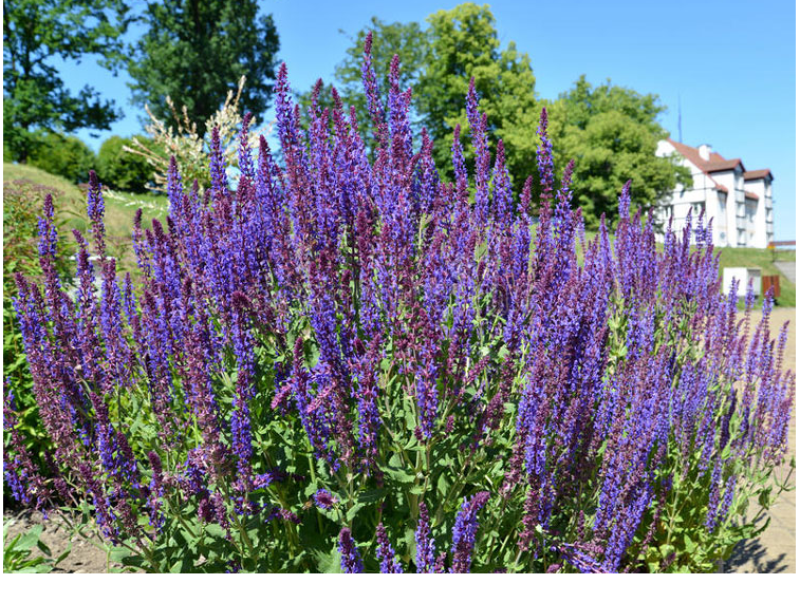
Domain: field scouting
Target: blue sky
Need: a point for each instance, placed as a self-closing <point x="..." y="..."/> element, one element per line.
<point x="732" y="64"/>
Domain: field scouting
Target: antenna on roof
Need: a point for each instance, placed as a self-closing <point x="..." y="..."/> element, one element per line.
<point x="680" y="131"/>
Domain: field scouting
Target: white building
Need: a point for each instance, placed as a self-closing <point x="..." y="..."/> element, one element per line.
<point x="739" y="201"/>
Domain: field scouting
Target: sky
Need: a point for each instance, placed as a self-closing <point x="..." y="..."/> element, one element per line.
<point x="730" y="65"/>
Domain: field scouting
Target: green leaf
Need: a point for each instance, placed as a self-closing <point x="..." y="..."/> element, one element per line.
<point x="371" y="496"/>
<point x="410" y="417"/>
<point x="44" y="548"/>
<point x="401" y="476"/>
<point x="480" y="251"/>
<point x="119" y="554"/>
<point x="31" y="538"/>
<point x="63" y="555"/>
<point x="311" y="488"/>
<point x="413" y="444"/>
<point x="396" y="461"/>
<point x="409" y="537"/>
<point x="354" y="510"/>
<point x="215" y="531"/>
<point x="35" y="566"/>
<point x="442" y="486"/>
<point x="764" y="498"/>
<point x="330" y="562"/>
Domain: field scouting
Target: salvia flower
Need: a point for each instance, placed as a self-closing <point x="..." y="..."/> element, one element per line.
<point x="324" y="499"/>
<point x="465" y="531"/>
<point x="347" y="321"/>
<point x="389" y="565"/>
<point x="351" y="558"/>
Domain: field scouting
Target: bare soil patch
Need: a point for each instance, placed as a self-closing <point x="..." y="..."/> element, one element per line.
<point x="83" y="558"/>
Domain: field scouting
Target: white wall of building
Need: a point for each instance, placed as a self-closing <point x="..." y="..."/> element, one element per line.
<point x="763" y="212"/>
<point x="737" y="221"/>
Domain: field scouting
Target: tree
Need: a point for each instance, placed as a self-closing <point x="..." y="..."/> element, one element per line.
<point x="406" y="40"/>
<point x="34" y="96"/>
<point x="197" y="50"/>
<point x="438" y="63"/>
<point x="465" y="44"/>
<point x="612" y="132"/>
<point x="65" y="156"/>
<point x="121" y="170"/>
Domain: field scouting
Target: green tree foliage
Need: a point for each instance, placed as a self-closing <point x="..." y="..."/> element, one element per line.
<point x="34" y="96"/>
<point x="464" y="44"/>
<point x="121" y="170"/>
<point x="196" y="50"/>
<point x="438" y="63"/>
<point x="65" y="156"/>
<point x="612" y="132"/>
<point x="406" y="40"/>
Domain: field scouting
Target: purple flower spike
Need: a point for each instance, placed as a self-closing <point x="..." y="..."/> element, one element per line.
<point x="48" y="237"/>
<point x="464" y="532"/>
<point x="96" y="209"/>
<point x="219" y="180"/>
<point x="389" y="565"/>
<point x="426" y="549"/>
<point x="351" y="558"/>
<point x="545" y="154"/>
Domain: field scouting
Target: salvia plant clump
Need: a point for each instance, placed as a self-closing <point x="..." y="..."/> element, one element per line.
<point x="349" y="364"/>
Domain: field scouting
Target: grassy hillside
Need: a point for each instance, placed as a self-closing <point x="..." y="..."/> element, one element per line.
<point x="70" y="206"/>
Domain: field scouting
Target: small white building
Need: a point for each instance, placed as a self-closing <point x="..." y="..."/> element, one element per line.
<point x="739" y="201"/>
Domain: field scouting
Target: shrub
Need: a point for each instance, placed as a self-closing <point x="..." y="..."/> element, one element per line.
<point x="353" y="366"/>
<point x="183" y="142"/>
<point x="66" y="156"/>
<point x="122" y="170"/>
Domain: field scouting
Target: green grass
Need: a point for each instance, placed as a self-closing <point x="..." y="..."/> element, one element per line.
<point x="732" y="257"/>
<point x="71" y="208"/>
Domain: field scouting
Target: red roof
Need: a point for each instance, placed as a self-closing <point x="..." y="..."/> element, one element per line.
<point x="749" y="195"/>
<point x="757" y="174"/>
<point x="723" y="166"/>
<point x="714" y="163"/>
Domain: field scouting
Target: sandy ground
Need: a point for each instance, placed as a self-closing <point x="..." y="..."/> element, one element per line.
<point x="773" y="552"/>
